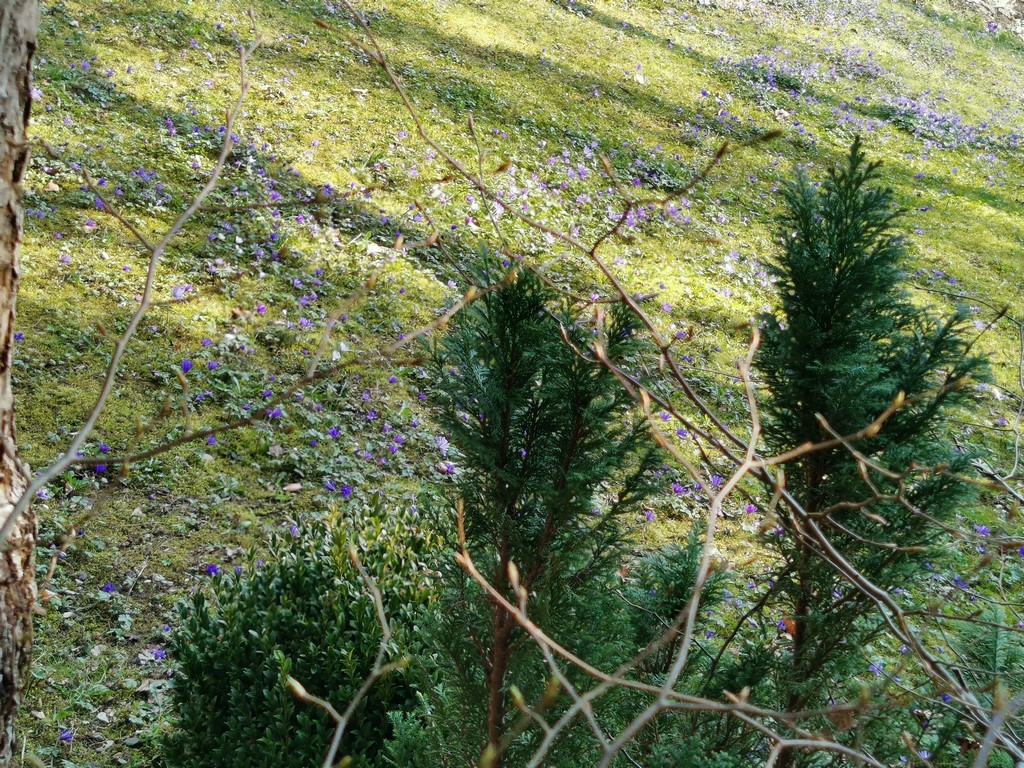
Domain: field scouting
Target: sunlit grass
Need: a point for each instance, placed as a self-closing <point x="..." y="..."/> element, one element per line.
<point x="650" y="84"/>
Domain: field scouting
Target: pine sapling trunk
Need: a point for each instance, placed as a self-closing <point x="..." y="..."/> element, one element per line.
<point x="798" y="669"/>
<point x="803" y="643"/>
<point x="501" y="634"/>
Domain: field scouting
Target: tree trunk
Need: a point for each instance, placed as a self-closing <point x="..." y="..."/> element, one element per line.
<point x="19" y="24"/>
<point x="501" y="635"/>
<point x="496" y="685"/>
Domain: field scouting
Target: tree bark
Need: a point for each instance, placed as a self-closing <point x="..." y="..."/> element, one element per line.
<point x="19" y="25"/>
<point x="501" y="635"/>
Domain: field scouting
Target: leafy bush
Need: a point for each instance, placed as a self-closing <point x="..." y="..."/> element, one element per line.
<point x="305" y="613"/>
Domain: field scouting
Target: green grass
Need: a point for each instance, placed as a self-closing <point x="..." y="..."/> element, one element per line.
<point x="539" y="78"/>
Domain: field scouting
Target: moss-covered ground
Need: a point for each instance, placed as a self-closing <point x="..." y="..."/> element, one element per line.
<point x="329" y="170"/>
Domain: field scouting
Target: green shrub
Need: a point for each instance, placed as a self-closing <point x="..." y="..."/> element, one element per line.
<point x="551" y="460"/>
<point x="305" y="613"/>
<point x="848" y="342"/>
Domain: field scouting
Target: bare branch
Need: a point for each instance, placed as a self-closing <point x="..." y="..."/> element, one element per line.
<point x="155" y="251"/>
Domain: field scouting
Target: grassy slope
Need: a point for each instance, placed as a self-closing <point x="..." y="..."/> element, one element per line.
<point x="122" y="86"/>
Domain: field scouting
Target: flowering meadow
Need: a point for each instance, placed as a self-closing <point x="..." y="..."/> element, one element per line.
<point x="338" y="239"/>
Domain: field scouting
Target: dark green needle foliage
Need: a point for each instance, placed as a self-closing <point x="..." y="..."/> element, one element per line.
<point x="847" y="342"/>
<point x="551" y="458"/>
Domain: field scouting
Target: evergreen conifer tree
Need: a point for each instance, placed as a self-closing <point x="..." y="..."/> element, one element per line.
<point x="549" y="461"/>
<point x="847" y="342"/>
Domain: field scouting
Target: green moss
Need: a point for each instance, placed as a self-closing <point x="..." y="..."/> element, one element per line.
<point x="644" y="82"/>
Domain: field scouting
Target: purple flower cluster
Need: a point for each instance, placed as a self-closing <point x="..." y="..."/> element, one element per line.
<point x="924" y="118"/>
<point x="855" y="63"/>
<point x="775" y="71"/>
